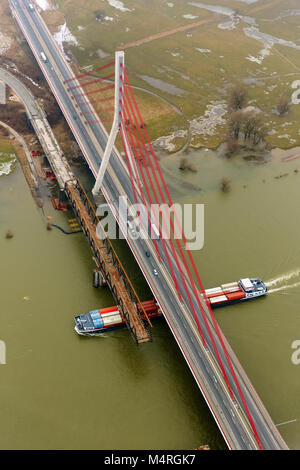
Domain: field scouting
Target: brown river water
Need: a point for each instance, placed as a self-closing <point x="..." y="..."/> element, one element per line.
<point x="59" y="390"/>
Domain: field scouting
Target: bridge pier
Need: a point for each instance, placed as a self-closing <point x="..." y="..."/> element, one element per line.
<point x="98" y="279"/>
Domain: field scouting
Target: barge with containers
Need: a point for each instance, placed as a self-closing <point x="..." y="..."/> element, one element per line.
<point x="105" y="319"/>
<point x="96" y="322"/>
<point x="235" y="292"/>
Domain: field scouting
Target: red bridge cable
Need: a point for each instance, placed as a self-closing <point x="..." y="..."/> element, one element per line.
<point x="95" y="91"/>
<point x="127" y="115"/>
<point x="100" y="111"/>
<point x="132" y="182"/>
<point x="195" y="269"/>
<point x="227" y="357"/>
<point x="96" y="101"/>
<point x="178" y="264"/>
<point x="145" y="205"/>
<point x="91" y="82"/>
<point x="90" y="72"/>
<point x="129" y="166"/>
<point x="125" y="111"/>
<point x="131" y="179"/>
<point x="154" y="192"/>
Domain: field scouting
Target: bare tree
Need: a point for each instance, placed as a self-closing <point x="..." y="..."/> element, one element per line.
<point x="236" y="124"/>
<point x="233" y="147"/>
<point x="225" y="184"/>
<point x="238" y="97"/>
<point x="283" y="105"/>
<point x="247" y="126"/>
<point x="251" y="125"/>
<point x="254" y="129"/>
<point x="186" y="165"/>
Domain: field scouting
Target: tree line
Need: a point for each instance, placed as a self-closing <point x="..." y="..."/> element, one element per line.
<point x="247" y="126"/>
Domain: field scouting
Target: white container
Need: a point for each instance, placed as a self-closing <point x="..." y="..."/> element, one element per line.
<point x="232" y="289"/>
<point x="216" y="300"/>
<point x="110" y="320"/>
<point x="215" y="290"/>
<point x="109" y="317"/>
<point x="110" y="314"/>
<point x="228" y="286"/>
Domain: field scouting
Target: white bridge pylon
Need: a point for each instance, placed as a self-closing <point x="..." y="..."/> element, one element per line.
<point x="116" y="126"/>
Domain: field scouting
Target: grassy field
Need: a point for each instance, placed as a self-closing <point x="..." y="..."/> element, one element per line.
<point x="6" y="147"/>
<point x="201" y="63"/>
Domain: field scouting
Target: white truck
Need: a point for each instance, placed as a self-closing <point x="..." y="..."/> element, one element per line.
<point x="154" y="231"/>
<point x="43" y="56"/>
<point x="30" y="7"/>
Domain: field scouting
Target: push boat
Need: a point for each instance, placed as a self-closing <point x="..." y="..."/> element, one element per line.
<point x="98" y="321"/>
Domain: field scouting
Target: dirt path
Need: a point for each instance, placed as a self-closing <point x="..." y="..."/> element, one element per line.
<point x="167" y="33"/>
<point x="189" y="26"/>
<point x="264" y="7"/>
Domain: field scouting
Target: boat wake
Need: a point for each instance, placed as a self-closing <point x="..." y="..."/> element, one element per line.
<point x="283" y="278"/>
<point x="281" y="283"/>
<point x="282" y="288"/>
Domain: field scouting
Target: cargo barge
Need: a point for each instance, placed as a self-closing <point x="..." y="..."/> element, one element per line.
<point x="236" y="292"/>
<point x="105" y="319"/>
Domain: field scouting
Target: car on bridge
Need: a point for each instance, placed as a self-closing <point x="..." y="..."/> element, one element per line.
<point x="44" y="57"/>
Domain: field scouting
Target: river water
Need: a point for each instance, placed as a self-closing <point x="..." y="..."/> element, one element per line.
<point x="59" y="390"/>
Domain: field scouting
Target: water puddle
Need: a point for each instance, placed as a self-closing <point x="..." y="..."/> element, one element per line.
<point x="214" y="8"/>
<point x="268" y="40"/>
<point x="163" y="86"/>
<point x="190" y="17"/>
<point x="252" y="31"/>
<point x="203" y="51"/>
<point x="166" y="68"/>
<point x="262" y="55"/>
<point x="118" y="5"/>
<point x="102" y="54"/>
<point x="231" y="24"/>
